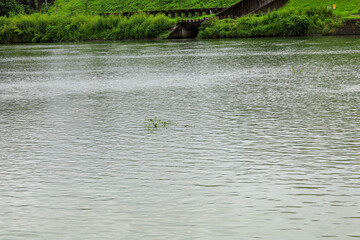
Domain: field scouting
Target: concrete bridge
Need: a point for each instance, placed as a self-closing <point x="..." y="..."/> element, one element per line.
<point x="184" y="13"/>
<point x="186" y="29"/>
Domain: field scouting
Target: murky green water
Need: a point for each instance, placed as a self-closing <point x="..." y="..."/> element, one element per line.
<point x="264" y="141"/>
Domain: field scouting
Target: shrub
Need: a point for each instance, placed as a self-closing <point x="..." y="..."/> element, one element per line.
<point x="53" y="28"/>
<point x="294" y="25"/>
<point x="284" y="22"/>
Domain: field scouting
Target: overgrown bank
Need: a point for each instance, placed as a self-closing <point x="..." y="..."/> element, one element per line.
<point x="106" y="6"/>
<point x="56" y="28"/>
<point x="286" y="22"/>
<point x="59" y="28"/>
<point x="102" y="6"/>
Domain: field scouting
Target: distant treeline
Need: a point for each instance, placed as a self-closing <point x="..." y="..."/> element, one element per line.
<point x="34" y="4"/>
<point x="14" y="7"/>
<point x="10" y="6"/>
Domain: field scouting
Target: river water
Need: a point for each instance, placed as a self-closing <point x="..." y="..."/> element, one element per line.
<point x="263" y="140"/>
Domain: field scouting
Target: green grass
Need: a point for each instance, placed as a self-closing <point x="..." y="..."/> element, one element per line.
<point x="107" y="6"/>
<point x="343" y="7"/>
<point x="57" y="28"/>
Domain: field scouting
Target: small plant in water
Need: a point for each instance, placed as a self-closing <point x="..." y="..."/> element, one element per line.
<point x="155" y="122"/>
<point x="295" y="71"/>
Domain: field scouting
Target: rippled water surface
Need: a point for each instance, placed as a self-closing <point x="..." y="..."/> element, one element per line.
<point x="263" y="140"/>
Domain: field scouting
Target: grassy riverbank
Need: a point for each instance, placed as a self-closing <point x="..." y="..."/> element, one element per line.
<point x="56" y="28"/>
<point x="288" y="23"/>
<point x="74" y="20"/>
<point x="343" y="7"/>
<point x="106" y="6"/>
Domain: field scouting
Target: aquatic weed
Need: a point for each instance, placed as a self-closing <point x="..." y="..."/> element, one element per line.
<point x="153" y="123"/>
<point x="295" y="71"/>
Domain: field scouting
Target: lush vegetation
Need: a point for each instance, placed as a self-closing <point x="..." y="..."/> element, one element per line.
<point x="289" y="23"/>
<point x="76" y="20"/>
<point x="102" y="6"/>
<point x="343" y="7"/>
<point x="10" y="7"/>
<point x="56" y="28"/>
<point x="105" y="6"/>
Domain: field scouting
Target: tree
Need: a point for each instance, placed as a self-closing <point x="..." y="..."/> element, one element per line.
<point x="10" y="6"/>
